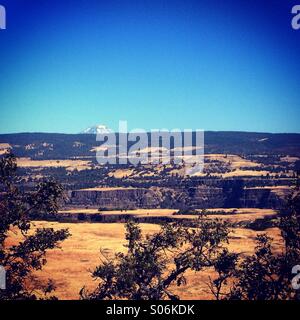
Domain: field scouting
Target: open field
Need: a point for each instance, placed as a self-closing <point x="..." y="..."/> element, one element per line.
<point x="244" y="173"/>
<point x="4" y="148"/>
<point x="70" y="266"/>
<point x="68" y="164"/>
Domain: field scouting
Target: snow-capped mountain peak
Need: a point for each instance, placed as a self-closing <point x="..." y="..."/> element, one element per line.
<point x="100" y="128"/>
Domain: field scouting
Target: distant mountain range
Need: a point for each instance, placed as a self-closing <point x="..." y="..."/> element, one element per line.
<point x="61" y="146"/>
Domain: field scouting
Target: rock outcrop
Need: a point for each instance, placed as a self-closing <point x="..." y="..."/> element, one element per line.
<point x="154" y="197"/>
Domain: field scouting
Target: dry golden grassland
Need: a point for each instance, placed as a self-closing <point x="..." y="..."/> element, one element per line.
<point x="121" y="173"/>
<point x="68" y="164"/>
<point x="234" y="161"/>
<point x="70" y="266"/>
<point x="4" y="148"/>
<point x="238" y="166"/>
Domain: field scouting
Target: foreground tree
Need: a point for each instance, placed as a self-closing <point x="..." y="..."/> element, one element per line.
<point x="267" y="274"/>
<point x="23" y="251"/>
<point x="155" y="262"/>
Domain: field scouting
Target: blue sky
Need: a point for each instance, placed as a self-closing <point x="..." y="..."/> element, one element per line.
<point x="214" y="65"/>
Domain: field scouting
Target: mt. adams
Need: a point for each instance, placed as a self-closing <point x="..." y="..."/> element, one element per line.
<point x="100" y="128"/>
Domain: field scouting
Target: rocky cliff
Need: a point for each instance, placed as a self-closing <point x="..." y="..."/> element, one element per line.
<point x="199" y="197"/>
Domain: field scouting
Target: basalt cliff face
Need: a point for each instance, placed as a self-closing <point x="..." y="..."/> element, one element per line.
<point x="264" y="198"/>
<point x="199" y="197"/>
<point x="114" y="198"/>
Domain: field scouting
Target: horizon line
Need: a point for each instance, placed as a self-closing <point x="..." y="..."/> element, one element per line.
<point x="148" y="131"/>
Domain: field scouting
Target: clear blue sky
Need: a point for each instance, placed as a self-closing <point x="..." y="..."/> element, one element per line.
<point x="215" y="65"/>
